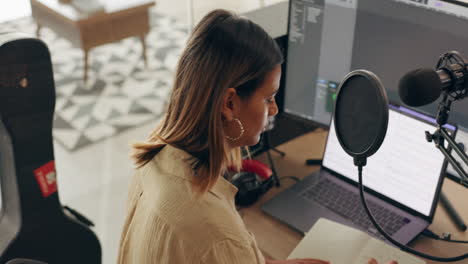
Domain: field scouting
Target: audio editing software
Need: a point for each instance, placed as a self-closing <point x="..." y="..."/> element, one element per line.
<point x="319" y="56"/>
<point x="330" y="38"/>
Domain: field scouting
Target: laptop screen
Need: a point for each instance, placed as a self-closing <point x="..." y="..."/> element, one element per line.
<point x="406" y="168"/>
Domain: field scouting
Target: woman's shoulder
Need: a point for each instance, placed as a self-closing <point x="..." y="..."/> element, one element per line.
<point x="170" y="161"/>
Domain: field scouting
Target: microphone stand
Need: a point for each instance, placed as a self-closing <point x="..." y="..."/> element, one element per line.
<point x="275" y="176"/>
<point x="439" y="137"/>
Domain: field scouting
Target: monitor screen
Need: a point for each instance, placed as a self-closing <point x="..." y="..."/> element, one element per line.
<point x="329" y="38"/>
<point x="320" y="40"/>
<point x="406" y="169"/>
<point x="1" y="200"/>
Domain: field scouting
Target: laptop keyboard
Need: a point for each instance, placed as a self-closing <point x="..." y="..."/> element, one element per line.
<point x="348" y="205"/>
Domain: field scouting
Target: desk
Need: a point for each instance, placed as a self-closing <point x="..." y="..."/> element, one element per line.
<point x="277" y="240"/>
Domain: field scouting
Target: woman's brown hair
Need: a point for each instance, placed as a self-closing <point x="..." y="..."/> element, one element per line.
<point x="224" y="51"/>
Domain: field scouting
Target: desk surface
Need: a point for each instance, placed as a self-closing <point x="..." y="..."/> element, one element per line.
<point x="277" y="240"/>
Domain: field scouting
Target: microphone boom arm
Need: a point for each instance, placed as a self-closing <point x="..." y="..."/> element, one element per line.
<point x="439" y="137"/>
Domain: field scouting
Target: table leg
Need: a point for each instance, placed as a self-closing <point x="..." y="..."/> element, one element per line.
<point x="38" y="29"/>
<point x="143" y="45"/>
<point x="85" y="77"/>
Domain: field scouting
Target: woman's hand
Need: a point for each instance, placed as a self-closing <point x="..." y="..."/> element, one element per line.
<point x="299" y="261"/>
<point x="373" y="261"/>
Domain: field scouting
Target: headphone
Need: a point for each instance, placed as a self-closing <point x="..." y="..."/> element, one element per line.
<point x="252" y="181"/>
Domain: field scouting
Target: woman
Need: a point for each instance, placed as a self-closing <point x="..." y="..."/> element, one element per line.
<point x="181" y="209"/>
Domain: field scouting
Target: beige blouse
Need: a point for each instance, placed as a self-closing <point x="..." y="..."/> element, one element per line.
<point x="166" y="224"/>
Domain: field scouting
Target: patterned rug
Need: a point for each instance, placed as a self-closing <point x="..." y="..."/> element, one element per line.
<point x="120" y="92"/>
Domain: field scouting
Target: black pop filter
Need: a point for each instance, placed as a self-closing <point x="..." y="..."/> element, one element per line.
<point x="361" y="115"/>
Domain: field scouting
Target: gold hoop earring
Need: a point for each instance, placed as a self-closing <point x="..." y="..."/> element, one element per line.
<point x="241" y="131"/>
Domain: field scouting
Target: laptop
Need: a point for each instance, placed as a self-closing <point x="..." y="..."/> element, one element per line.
<point x="402" y="180"/>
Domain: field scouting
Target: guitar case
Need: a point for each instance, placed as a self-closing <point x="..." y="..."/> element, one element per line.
<point x="33" y="223"/>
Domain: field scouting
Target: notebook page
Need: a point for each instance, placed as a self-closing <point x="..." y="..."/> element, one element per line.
<point x="383" y="253"/>
<point x="341" y="244"/>
<point x="330" y="241"/>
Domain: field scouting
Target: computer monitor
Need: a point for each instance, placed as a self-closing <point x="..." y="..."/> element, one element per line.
<point x="329" y="38"/>
<point x="1" y="201"/>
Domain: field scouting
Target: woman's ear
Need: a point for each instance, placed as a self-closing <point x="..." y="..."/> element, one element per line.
<point x="228" y="104"/>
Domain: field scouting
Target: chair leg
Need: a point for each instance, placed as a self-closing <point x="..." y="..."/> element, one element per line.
<point x="38" y="29"/>
<point x="85" y="74"/>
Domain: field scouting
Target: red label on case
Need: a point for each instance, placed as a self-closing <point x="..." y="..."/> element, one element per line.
<point x="47" y="178"/>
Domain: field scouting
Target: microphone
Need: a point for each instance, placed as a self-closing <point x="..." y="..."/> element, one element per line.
<point x="361" y="120"/>
<point x="423" y="86"/>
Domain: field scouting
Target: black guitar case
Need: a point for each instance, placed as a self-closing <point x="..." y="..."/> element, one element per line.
<point x="33" y="223"/>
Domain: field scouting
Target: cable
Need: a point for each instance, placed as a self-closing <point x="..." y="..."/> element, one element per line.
<point x="270" y="160"/>
<point x="445" y="238"/>
<point x="290" y="177"/>
<point x="393" y="241"/>
<point x="313" y="162"/>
